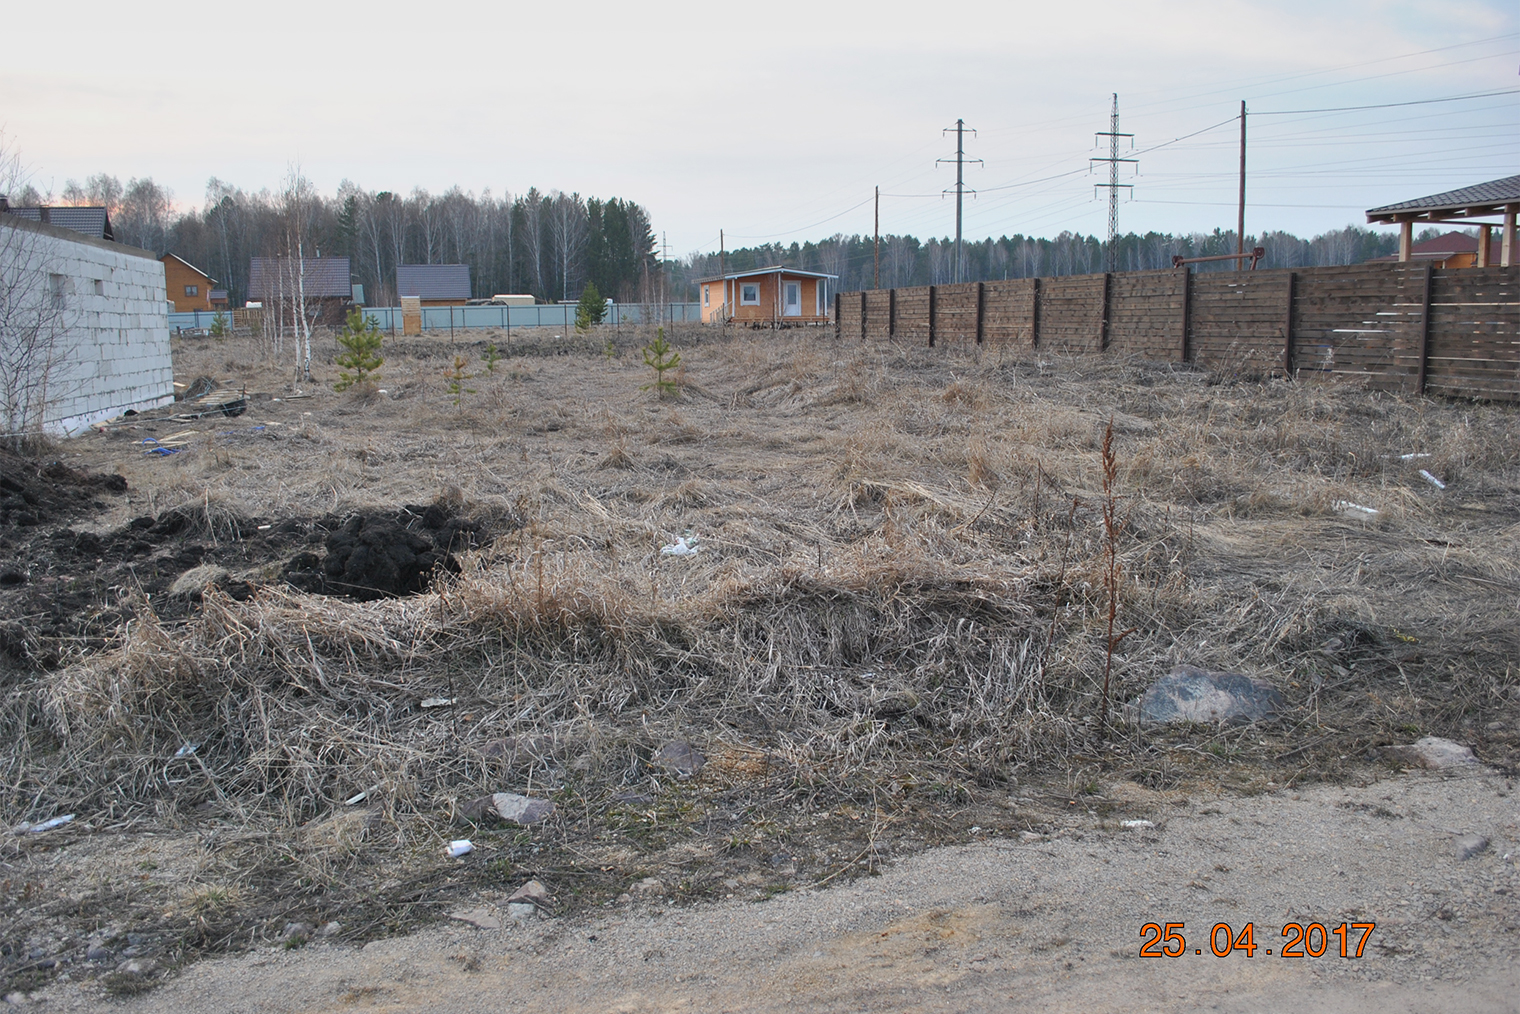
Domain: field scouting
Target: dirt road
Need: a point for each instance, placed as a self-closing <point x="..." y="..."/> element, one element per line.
<point x="1052" y="924"/>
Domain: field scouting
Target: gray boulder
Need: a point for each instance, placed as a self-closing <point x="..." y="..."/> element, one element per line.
<point x="1190" y="694"/>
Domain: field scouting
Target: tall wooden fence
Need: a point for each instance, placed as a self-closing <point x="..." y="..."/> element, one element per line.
<point x="1396" y="326"/>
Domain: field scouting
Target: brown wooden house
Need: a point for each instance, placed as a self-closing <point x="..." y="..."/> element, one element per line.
<point x="190" y="288"/>
<point x="775" y="296"/>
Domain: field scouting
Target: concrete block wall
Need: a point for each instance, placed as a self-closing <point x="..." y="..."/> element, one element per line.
<point x="115" y="354"/>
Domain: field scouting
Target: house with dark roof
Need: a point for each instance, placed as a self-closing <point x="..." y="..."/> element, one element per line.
<point x="189" y="287"/>
<point x="92" y="222"/>
<point x="325" y="283"/>
<point x="434" y="284"/>
<point x="1449" y="250"/>
<point x="1467" y="206"/>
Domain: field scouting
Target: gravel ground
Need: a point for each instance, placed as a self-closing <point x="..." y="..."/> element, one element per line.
<point x="1052" y="923"/>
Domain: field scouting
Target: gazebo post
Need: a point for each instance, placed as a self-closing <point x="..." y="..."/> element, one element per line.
<point x="1484" y="234"/>
<point x="1507" y="244"/>
<point x="1406" y="239"/>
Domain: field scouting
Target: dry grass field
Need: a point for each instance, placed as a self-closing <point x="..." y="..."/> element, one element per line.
<point x="894" y="628"/>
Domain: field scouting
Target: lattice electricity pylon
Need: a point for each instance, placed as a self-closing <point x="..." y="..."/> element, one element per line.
<point x="960" y="160"/>
<point x="1113" y="184"/>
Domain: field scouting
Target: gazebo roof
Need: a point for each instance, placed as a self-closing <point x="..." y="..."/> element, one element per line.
<point x="1490" y="198"/>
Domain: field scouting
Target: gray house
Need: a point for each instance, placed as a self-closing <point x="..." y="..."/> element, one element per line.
<point x="434" y="284"/>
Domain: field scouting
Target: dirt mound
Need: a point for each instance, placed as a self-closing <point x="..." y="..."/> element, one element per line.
<point x="380" y="556"/>
<point x="31" y="491"/>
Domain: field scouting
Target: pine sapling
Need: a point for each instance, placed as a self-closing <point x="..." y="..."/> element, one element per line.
<point x="660" y="357"/>
<point x="456" y="378"/>
<point x="491" y="357"/>
<point x="360" y="339"/>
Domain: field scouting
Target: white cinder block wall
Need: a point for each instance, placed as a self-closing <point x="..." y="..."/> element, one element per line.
<point x="115" y="354"/>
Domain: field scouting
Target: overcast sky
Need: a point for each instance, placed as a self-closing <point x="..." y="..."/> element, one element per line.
<point x="774" y="121"/>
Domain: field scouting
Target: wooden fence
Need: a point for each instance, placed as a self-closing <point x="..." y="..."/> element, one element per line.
<point x="1395" y="326"/>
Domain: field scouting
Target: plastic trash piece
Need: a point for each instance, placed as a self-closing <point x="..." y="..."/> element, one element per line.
<point x="1138" y="825"/>
<point x="45" y="825"/>
<point x="1346" y="505"/>
<point x="680" y="547"/>
<point x="187" y="750"/>
<point x="1412" y="457"/>
<point x="1437" y="483"/>
<point x="462" y="846"/>
<point x="437" y="702"/>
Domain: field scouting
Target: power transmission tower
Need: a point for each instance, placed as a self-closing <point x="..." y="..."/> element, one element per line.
<point x="960" y="129"/>
<point x="1113" y="184"/>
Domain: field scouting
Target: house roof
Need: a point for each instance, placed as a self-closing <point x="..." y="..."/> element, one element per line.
<point x="25" y="224"/>
<point x="1438" y="248"/>
<point x="777" y="270"/>
<point x="187" y="264"/>
<point x="324" y="277"/>
<point x="92" y="222"/>
<point x="433" y="281"/>
<point x="1480" y="199"/>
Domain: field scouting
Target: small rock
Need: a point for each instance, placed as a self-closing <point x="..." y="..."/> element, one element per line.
<point x="98" y="952"/>
<point x="650" y="885"/>
<point x="528" y="900"/>
<point x="330" y="929"/>
<point x="135" y="951"/>
<point x="1470" y="845"/>
<point x="1435" y="752"/>
<point x="1190" y="694"/>
<point x="480" y="918"/>
<point x="1029" y="836"/>
<point x="509" y="806"/>
<point x="17" y="998"/>
<point x="138" y="966"/>
<point x="295" y="929"/>
<point x="193" y="583"/>
<point x="679" y="758"/>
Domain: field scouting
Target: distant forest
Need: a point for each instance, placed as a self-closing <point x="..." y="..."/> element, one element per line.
<point x="551" y="244"/>
<point x="907" y="261"/>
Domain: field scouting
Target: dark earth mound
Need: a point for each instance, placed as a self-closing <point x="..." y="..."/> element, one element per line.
<point x="65" y="589"/>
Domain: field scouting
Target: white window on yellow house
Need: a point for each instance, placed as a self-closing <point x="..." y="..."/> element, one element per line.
<point x="707" y="295"/>
<point x="192" y="290"/>
<point x="749" y="294"/>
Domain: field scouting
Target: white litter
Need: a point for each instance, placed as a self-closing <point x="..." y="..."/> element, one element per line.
<point x="46" y="825"/>
<point x="187" y="749"/>
<point x="680" y="547"/>
<point x="1138" y="825"/>
<point x="437" y="702"/>
<point x="461" y="847"/>
<point x="1346" y="505"/>
<point x="1437" y="483"/>
<point x="1412" y="457"/>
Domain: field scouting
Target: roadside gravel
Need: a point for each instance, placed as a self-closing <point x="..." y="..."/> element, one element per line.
<point x="1052" y="923"/>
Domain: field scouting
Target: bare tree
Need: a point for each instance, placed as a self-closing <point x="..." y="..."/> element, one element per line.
<point x="36" y="308"/>
<point x="567" y="226"/>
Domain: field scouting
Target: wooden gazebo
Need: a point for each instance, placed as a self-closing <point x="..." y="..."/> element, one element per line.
<point x="1466" y="207"/>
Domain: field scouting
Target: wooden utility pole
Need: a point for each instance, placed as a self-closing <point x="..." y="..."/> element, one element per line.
<point x="723" y="271"/>
<point x="876" y="281"/>
<point x="1240" y="217"/>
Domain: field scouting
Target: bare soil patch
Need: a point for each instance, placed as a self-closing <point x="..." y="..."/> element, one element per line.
<point x="893" y="629"/>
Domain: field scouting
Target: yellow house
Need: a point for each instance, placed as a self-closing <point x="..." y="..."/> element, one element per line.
<point x="189" y="287"/>
<point x="776" y="296"/>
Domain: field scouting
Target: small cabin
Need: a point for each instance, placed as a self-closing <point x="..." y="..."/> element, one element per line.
<point x="776" y="296"/>
<point x="189" y="287"/>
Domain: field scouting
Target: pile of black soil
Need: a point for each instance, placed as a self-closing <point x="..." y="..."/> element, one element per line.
<point x="65" y="589"/>
<point x="380" y="556"/>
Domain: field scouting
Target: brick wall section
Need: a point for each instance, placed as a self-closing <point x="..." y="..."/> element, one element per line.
<point x="115" y="354"/>
<point x="1366" y="322"/>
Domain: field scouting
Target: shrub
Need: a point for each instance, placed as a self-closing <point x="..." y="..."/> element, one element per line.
<point x="592" y="309"/>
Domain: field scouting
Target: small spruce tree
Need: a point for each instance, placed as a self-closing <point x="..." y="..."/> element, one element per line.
<point x="491" y="357"/>
<point x="592" y="309"/>
<point x="219" y="324"/>
<point x="456" y="378"/>
<point x="360" y="339"/>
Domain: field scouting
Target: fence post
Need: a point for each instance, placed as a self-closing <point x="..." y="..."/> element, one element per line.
<point x="1187" y="298"/>
<point x="1034" y="313"/>
<point x="1108" y="284"/>
<point x="1288" y="330"/>
<point x="933" y="294"/>
<point x="981" y="300"/>
<point x="862" y="314"/>
<point x="1425" y="332"/>
<point x="892" y="313"/>
<point x="838" y="324"/>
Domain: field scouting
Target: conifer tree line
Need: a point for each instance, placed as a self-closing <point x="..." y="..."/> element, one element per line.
<point x="549" y="244"/>
<point x="907" y="261"/>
